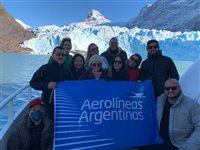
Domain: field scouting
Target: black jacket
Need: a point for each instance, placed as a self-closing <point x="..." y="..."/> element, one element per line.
<point x="20" y="139"/>
<point x="158" y="69"/>
<point x="110" y="57"/>
<point x="49" y="73"/>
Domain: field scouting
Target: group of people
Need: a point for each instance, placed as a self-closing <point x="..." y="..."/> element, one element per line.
<point x="178" y="116"/>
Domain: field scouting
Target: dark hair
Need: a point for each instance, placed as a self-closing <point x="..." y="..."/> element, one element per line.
<point x="152" y="41"/>
<point x="123" y="62"/>
<point x="73" y="59"/>
<point x="64" y="40"/>
<point x="57" y="47"/>
<point x="139" y="56"/>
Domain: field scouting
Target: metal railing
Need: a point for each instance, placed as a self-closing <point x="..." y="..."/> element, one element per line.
<point x="8" y="102"/>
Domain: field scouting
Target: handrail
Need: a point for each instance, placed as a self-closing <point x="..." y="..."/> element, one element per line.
<point x="9" y="102"/>
<point x="9" y="98"/>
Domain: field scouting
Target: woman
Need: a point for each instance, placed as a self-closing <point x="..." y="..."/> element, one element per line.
<point x="95" y="70"/>
<point x="118" y="71"/>
<point x="67" y="45"/>
<point x="94" y="50"/>
<point x="77" y="66"/>
<point x="133" y="67"/>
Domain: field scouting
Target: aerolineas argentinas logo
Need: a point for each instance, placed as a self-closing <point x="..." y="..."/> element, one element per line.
<point x="116" y="109"/>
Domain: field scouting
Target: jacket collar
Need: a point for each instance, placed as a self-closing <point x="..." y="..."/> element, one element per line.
<point x="163" y="98"/>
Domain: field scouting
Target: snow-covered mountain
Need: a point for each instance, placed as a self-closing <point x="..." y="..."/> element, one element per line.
<point x="179" y="46"/>
<point x="94" y="17"/>
<point x="172" y="15"/>
<point x="25" y="26"/>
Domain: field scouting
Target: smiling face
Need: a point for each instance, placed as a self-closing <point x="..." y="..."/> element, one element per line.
<point x="94" y="50"/>
<point x="96" y="66"/>
<point x="118" y="64"/>
<point x="172" y="89"/>
<point x="67" y="45"/>
<point x="133" y="61"/>
<point x="59" y="56"/>
<point x="113" y="44"/>
<point x="152" y="48"/>
<point x="78" y="63"/>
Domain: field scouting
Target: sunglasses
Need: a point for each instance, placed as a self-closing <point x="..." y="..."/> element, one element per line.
<point x="135" y="60"/>
<point x="154" y="46"/>
<point x="118" y="62"/>
<point x="60" y="54"/>
<point x="173" y="88"/>
<point x="96" y="64"/>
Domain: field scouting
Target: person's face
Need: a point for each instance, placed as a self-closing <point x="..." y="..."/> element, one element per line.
<point x="36" y="109"/>
<point x="67" y="46"/>
<point x="59" y="56"/>
<point x="94" y="50"/>
<point x="133" y="61"/>
<point x="96" y="66"/>
<point x="113" y="44"/>
<point x="117" y="63"/>
<point x="172" y="89"/>
<point x="78" y="62"/>
<point x="152" y="48"/>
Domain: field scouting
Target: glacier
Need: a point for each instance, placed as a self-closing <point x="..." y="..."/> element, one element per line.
<point x="177" y="45"/>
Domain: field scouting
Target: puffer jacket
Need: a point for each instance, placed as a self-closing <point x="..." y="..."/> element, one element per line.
<point x="20" y="139"/>
<point x="184" y="121"/>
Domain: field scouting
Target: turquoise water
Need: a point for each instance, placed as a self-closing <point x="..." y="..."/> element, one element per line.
<point x="17" y="69"/>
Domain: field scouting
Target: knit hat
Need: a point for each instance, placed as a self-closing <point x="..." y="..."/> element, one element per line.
<point x="36" y="101"/>
<point x="95" y="58"/>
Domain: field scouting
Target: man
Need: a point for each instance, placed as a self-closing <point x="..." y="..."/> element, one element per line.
<point x="178" y="119"/>
<point x="113" y="51"/>
<point x="35" y="132"/>
<point x="47" y="76"/>
<point x="157" y="68"/>
<point x="67" y="45"/>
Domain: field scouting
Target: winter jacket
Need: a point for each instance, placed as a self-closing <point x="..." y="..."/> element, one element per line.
<point x="49" y="73"/>
<point x="110" y="57"/>
<point x="20" y="139"/>
<point x="184" y="121"/>
<point x="158" y="69"/>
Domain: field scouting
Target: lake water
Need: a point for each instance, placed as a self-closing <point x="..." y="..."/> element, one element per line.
<point x="17" y="70"/>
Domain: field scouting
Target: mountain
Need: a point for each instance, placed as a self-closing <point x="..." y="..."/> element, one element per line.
<point x="172" y="15"/>
<point x="177" y="45"/>
<point x="12" y="33"/>
<point x="25" y="26"/>
<point x="94" y="18"/>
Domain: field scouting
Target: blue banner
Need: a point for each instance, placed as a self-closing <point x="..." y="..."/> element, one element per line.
<point x="104" y="115"/>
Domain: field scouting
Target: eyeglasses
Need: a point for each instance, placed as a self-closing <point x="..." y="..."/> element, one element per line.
<point x="154" y="46"/>
<point x="118" y="62"/>
<point x="133" y="59"/>
<point x="173" y="88"/>
<point x="60" y="54"/>
<point x="96" y="64"/>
